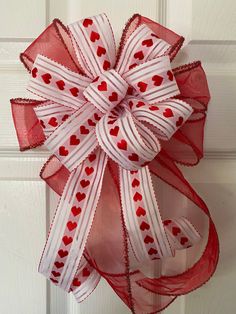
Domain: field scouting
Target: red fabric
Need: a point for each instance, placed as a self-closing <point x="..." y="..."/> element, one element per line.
<point x="186" y="146"/>
<point x="108" y="249"/>
<point x="29" y="131"/>
<point x="55" y="38"/>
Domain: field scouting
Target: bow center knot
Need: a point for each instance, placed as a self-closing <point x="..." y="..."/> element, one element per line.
<point x="106" y="91"/>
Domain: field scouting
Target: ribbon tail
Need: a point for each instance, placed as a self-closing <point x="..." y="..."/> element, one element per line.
<point x="85" y="281"/>
<point x="201" y="271"/>
<point x="142" y="216"/>
<point x="181" y="233"/>
<point x="73" y="221"/>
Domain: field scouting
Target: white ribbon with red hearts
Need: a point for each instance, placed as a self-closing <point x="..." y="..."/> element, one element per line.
<point x="90" y="118"/>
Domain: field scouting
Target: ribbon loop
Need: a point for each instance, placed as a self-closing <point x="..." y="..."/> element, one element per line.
<point x="54" y="82"/>
<point x="95" y="44"/>
<point x="75" y="139"/>
<point x="108" y="90"/>
<point x="141" y="46"/>
<point x="52" y="115"/>
<point x="153" y="80"/>
<point x="164" y="118"/>
<point x="125" y="140"/>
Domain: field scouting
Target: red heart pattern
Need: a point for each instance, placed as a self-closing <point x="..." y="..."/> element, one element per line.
<point x="176" y="231"/>
<point x="67" y="240"/>
<point x="144" y="226"/>
<point x="152" y="251"/>
<point x="47" y="78"/>
<point x="140" y="211"/>
<point x="142" y="86"/>
<point x="139" y="55"/>
<point x="112" y="121"/>
<point x="94" y="36"/>
<point x="132" y="66"/>
<point x="101" y="51"/>
<point x="62" y="253"/>
<point x="122" y="145"/>
<point x="91" y="122"/>
<point x="60" y="84"/>
<point x="97" y="117"/>
<point x="34" y="72"/>
<point x="113" y="97"/>
<point x="137" y="197"/>
<point x="87" y="22"/>
<point x="76" y="282"/>
<point x="56" y="274"/>
<point x="74" y="91"/>
<point x="114" y="131"/>
<point x="106" y="65"/>
<point x="92" y="157"/>
<point x="84" y="183"/>
<point x="135" y="183"/>
<point x="133" y="157"/>
<point x="86" y="272"/>
<point x="84" y="130"/>
<point x="71" y="225"/>
<point x="80" y="196"/>
<point x="168" y="113"/>
<point x="54" y="280"/>
<point x="63" y="151"/>
<point x="140" y="104"/>
<point x="157" y="80"/>
<point x="65" y="117"/>
<point x="59" y="264"/>
<point x="147" y="42"/>
<point x="148" y="239"/>
<point x="53" y="122"/>
<point x="167" y="222"/>
<point x="89" y="170"/>
<point x="153" y="108"/>
<point x="75" y="210"/>
<point x="74" y="140"/>
<point x="102" y="87"/>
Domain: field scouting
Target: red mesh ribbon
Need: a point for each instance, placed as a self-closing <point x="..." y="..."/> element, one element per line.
<point x="117" y="126"/>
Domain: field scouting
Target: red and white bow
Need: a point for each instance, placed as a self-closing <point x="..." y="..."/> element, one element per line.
<point x="114" y="108"/>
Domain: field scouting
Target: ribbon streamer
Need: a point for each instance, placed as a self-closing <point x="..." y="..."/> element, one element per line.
<point x="116" y="126"/>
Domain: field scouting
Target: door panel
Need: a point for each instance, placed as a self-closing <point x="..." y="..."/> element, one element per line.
<point x="22" y="233"/>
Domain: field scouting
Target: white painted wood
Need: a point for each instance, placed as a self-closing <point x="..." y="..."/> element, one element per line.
<point x="22" y="233"/>
<point x="22" y="19"/>
<point x="27" y="205"/>
<point x="213" y="20"/>
<point x="216" y="49"/>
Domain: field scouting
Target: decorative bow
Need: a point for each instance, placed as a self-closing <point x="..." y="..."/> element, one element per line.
<point x="110" y="122"/>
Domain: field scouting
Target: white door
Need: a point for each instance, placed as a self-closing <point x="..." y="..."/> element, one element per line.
<point x="210" y="29"/>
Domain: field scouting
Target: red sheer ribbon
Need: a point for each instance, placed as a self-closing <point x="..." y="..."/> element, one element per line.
<point x="144" y="287"/>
